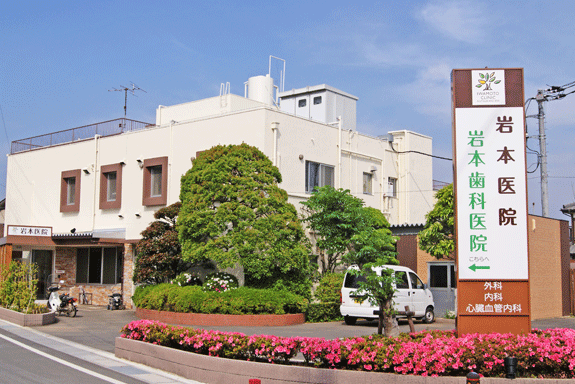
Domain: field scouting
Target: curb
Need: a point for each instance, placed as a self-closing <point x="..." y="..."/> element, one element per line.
<point x="204" y="319"/>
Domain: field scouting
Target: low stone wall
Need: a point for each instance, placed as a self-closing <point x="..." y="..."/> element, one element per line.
<point x="27" y="320"/>
<point x="221" y="320"/>
<point x="217" y="370"/>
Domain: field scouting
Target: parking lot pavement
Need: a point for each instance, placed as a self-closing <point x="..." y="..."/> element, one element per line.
<point x="98" y="328"/>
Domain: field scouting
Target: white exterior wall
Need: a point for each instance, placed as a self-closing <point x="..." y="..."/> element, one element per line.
<point x="415" y="184"/>
<point x="33" y="183"/>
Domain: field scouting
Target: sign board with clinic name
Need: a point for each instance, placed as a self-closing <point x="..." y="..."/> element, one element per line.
<point x="490" y="200"/>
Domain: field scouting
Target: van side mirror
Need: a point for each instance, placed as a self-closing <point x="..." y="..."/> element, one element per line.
<point x="424" y="286"/>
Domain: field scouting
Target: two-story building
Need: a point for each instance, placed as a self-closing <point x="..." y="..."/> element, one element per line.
<point x="77" y="199"/>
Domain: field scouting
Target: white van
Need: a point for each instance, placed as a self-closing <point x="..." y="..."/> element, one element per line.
<point x="411" y="291"/>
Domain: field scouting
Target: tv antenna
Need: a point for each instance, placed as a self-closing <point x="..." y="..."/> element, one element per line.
<point x="132" y="89"/>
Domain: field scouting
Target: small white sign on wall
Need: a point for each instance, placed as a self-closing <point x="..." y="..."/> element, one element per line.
<point x="29" y="231"/>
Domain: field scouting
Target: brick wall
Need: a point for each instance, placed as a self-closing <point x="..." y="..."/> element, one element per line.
<point x="545" y="264"/>
<point x="98" y="293"/>
<point x="66" y="261"/>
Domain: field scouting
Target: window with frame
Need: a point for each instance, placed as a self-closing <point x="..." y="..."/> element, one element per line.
<point x="98" y="265"/>
<point x="367" y="183"/>
<point x="391" y="187"/>
<point x="302" y="103"/>
<point x="318" y="175"/>
<point x="155" y="181"/>
<point x="317" y="100"/>
<point x="70" y="191"/>
<point x="111" y="186"/>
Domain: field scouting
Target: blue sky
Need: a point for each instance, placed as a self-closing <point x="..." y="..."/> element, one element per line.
<point x="60" y="58"/>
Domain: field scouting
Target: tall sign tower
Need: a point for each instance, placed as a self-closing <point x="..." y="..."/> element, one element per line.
<point x="490" y="201"/>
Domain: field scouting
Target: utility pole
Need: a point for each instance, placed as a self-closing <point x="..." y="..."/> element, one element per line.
<point x="540" y="98"/>
<point x="543" y="95"/>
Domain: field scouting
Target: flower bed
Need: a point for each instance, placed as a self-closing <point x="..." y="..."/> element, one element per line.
<point x="547" y="353"/>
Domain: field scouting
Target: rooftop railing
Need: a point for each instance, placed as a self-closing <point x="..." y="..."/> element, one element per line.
<point x="106" y="128"/>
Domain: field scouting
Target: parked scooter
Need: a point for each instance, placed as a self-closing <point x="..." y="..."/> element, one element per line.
<point x="61" y="303"/>
<point x="115" y="302"/>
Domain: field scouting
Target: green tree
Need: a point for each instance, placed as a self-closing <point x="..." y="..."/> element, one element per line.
<point x="332" y="215"/>
<point x="437" y="237"/>
<point x="234" y="212"/>
<point x="348" y="232"/>
<point x="372" y="248"/>
<point x="158" y="253"/>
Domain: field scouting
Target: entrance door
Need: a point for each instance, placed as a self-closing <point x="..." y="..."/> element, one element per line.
<point x="43" y="258"/>
<point x="443" y="284"/>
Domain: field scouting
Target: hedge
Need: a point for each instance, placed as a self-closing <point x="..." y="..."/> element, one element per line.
<point x="241" y="301"/>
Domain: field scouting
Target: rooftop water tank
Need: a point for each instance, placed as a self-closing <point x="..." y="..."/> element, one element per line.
<point x="261" y="88"/>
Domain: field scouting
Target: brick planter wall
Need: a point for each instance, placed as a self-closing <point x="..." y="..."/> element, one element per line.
<point x="221" y="320"/>
<point x="27" y="320"/>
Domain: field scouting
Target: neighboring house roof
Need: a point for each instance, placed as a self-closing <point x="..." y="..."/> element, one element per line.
<point x="406" y="229"/>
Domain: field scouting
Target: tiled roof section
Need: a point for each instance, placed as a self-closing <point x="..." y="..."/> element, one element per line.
<point x="75" y="235"/>
<point x="406" y="229"/>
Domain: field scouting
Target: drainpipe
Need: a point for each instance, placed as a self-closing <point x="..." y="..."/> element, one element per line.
<point x="95" y="181"/>
<point x="275" y="126"/>
<point x="170" y="157"/>
<point x="339" y="152"/>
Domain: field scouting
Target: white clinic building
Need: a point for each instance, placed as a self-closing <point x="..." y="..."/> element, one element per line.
<point x="77" y="199"/>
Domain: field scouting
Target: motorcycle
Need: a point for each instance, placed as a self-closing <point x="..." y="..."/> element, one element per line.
<point x="62" y="303"/>
<point x="115" y="302"/>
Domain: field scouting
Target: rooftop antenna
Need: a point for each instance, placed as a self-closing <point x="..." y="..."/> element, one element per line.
<point x="132" y="88"/>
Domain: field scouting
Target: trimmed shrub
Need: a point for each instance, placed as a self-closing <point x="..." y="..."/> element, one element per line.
<point x="329" y="288"/>
<point x="322" y="312"/>
<point x="241" y="301"/>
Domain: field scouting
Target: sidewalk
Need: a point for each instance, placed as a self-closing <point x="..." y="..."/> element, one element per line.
<point x="94" y="356"/>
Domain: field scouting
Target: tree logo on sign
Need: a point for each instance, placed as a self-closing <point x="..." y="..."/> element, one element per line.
<point x="487" y="79"/>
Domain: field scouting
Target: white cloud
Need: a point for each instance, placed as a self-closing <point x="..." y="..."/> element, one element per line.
<point x="459" y="20"/>
<point x="430" y="91"/>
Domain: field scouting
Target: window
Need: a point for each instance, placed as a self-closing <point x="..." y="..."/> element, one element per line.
<point x="317" y="100"/>
<point x="367" y="185"/>
<point x="111" y="186"/>
<point x="155" y="181"/>
<point x="391" y="187"/>
<point x="70" y="191"/>
<point x="98" y="266"/>
<point x="302" y="103"/>
<point x="416" y="283"/>
<point x="442" y="276"/>
<point x="317" y="175"/>
<point x="402" y="283"/>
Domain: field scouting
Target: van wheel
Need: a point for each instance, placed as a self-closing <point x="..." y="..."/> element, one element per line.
<point x="349" y="320"/>
<point x="429" y="316"/>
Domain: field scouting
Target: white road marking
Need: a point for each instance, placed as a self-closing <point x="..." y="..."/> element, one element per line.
<point x="64" y="362"/>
